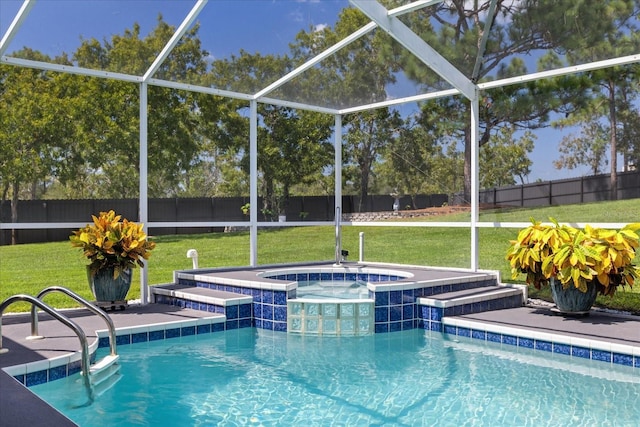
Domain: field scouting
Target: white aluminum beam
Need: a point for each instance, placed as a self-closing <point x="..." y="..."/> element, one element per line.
<point x="420" y="4"/>
<point x="69" y="69"/>
<point x="316" y="59"/>
<point x="574" y="69"/>
<point x="173" y="41"/>
<point x="483" y="42"/>
<point x="403" y="34"/>
<point x="400" y="101"/>
<point x="253" y="183"/>
<point x="298" y="105"/>
<point x="200" y="89"/>
<point x="22" y="14"/>
<point x="143" y="200"/>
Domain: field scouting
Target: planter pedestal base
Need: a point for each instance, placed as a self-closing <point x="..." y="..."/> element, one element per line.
<point x="111" y="305"/>
<point x="559" y="312"/>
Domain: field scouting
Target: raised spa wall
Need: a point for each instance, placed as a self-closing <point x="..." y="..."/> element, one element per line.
<point x="265" y="297"/>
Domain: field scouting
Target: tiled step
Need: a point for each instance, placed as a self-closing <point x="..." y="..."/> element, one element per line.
<point x="237" y="308"/>
<point x="488" y="298"/>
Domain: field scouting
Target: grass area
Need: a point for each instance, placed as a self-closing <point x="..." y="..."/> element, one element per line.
<point x="30" y="268"/>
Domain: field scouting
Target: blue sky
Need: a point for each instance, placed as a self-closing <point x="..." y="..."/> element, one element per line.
<point x="264" y="26"/>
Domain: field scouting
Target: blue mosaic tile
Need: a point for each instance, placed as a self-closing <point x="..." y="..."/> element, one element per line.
<point x="123" y="339"/>
<point x="291" y="277"/>
<point x="246" y="291"/>
<point x="256" y="294"/>
<point x="408" y="296"/>
<point x="395" y="326"/>
<point x="395" y="313"/>
<point x="382" y="314"/>
<point x="395" y="297"/>
<point x="381" y="328"/>
<point x="172" y="333"/>
<point x="258" y="323"/>
<point x="435" y="326"/>
<point x="636" y="361"/>
<point x="509" y="339"/>
<point x="267" y="297"/>
<point x="156" y="335"/>
<point x="74" y="367"/>
<point x="211" y="308"/>
<point x="338" y="276"/>
<point x="187" y="331"/>
<point x="325" y="276"/>
<point x="280" y="313"/>
<point x="103" y="342"/>
<point x="435" y="290"/>
<point x="280" y="326"/>
<point x="525" y="342"/>
<point x="582" y="352"/>
<point x="57" y="373"/>
<point x="267" y="312"/>
<point x="623" y="359"/>
<point x="139" y="337"/>
<point x="543" y="345"/>
<point x="245" y="323"/>
<point x="464" y="332"/>
<point x="426" y="292"/>
<point x="478" y="335"/>
<point x="232" y="312"/>
<point x="257" y="310"/>
<point x="363" y="277"/>
<point x="493" y="337"/>
<point x="601" y="355"/>
<point x="280" y="298"/>
<point x="231" y="324"/>
<point x="21" y="379"/>
<point x="244" y="310"/>
<point x="408" y="324"/>
<point x="449" y="329"/>
<point x="203" y="329"/>
<point x="352" y="277"/>
<point x="435" y="314"/>
<point x="424" y="311"/>
<point x="314" y="276"/>
<point x="408" y="311"/>
<point x="217" y="327"/>
<point x="382" y="298"/>
<point x="35" y="378"/>
<point x="267" y="324"/>
<point x="562" y="349"/>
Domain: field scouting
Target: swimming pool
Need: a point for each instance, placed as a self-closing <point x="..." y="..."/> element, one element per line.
<point x="257" y="377"/>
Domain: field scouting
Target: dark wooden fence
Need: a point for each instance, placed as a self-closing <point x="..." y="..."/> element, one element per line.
<point x="585" y="189"/>
<point x="182" y="210"/>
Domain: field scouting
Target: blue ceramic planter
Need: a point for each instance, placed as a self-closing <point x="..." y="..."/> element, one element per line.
<point x="106" y="288"/>
<point x="572" y="300"/>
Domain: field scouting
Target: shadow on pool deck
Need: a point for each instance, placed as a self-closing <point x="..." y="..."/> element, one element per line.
<point x="19" y="407"/>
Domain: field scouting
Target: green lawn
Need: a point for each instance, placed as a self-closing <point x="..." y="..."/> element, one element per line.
<point x="32" y="267"/>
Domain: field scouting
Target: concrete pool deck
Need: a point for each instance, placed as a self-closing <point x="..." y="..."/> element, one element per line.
<point x="20" y="407"/>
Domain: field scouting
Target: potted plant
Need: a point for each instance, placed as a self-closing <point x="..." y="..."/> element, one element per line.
<point x="113" y="246"/>
<point x="578" y="264"/>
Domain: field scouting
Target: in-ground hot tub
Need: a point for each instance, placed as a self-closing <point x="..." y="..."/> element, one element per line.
<point x="333" y="300"/>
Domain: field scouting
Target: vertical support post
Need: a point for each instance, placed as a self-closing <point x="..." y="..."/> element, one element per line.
<point x="143" y="202"/>
<point x="338" y="161"/>
<point x="361" y="246"/>
<point x="253" y="183"/>
<point x="475" y="132"/>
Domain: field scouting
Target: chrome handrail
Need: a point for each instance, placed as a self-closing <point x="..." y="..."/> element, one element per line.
<point x="84" y="302"/>
<point x="84" y="361"/>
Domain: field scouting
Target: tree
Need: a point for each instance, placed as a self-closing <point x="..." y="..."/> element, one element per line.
<point x="455" y="29"/>
<point x="503" y="158"/>
<point x="588" y="148"/>
<point x="35" y="128"/>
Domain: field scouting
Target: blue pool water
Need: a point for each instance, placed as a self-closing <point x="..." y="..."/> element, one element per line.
<point x="411" y="378"/>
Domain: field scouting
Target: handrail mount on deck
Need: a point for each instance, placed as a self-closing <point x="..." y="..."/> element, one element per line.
<point x="84" y="302"/>
<point x="84" y="361"/>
